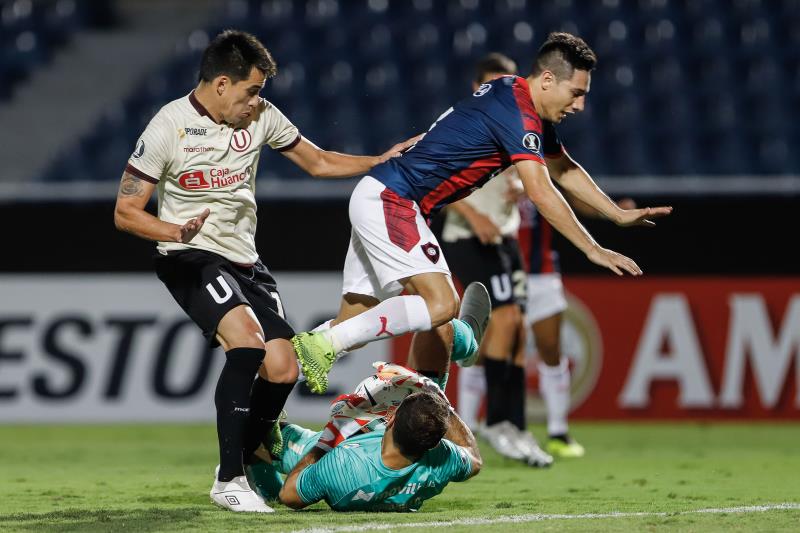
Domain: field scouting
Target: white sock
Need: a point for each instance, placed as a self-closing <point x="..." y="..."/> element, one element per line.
<point x="323" y="327"/>
<point x="554" y="386"/>
<point x="471" y="389"/>
<point x="390" y="318"/>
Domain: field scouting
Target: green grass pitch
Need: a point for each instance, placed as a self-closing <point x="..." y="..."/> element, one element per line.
<point x="157" y="477"/>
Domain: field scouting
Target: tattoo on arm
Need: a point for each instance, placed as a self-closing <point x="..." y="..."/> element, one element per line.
<point x="130" y="185"/>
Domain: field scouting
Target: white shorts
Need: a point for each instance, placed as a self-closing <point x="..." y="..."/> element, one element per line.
<point x="389" y="241"/>
<point x="545" y="297"/>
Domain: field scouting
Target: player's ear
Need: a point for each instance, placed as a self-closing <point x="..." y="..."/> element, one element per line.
<point x="548" y="79"/>
<point x="221" y="84"/>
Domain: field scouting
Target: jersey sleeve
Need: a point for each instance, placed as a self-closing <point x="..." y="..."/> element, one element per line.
<point x="552" y="144"/>
<point x="153" y="150"/>
<point x="311" y="483"/>
<point x="457" y="462"/>
<point x="280" y="134"/>
<point x="514" y="123"/>
<point x="328" y="479"/>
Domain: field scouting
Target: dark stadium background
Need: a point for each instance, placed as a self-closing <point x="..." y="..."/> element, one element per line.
<point x="694" y="104"/>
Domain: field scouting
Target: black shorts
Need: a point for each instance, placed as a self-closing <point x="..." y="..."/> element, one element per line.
<point x="207" y="286"/>
<point x="498" y="266"/>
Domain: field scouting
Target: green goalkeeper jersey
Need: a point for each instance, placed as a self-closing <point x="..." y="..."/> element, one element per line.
<point x="352" y="477"/>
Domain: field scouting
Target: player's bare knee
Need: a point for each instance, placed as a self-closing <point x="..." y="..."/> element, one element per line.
<point x="506" y="317"/>
<point x="442" y="310"/>
<point x="280" y="363"/>
<point x="549" y="352"/>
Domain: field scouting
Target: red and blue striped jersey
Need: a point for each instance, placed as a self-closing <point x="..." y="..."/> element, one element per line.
<point x="469" y="144"/>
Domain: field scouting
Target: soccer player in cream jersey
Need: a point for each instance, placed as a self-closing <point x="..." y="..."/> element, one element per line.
<point x="200" y="154"/>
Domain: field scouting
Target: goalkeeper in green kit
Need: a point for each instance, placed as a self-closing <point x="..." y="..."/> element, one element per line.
<point x="392" y="444"/>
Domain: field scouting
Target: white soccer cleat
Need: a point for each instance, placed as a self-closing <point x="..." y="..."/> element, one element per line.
<point x="236" y="495"/>
<point x="476" y="306"/>
<point x="503" y="438"/>
<point x="534" y="454"/>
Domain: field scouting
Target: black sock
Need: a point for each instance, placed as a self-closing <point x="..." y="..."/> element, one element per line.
<point x="266" y="401"/>
<point x="515" y="395"/>
<point x="232" y="399"/>
<point x="496" y="394"/>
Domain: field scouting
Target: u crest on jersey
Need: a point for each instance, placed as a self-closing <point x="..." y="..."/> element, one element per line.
<point x="241" y="140"/>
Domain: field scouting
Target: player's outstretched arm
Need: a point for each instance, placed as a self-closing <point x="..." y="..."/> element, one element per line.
<point x="576" y="181"/>
<point x="288" y="494"/>
<point x="325" y="164"/>
<point x="459" y="433"/>
<point x="130" y="214"/>
<point x="554" y="208"/>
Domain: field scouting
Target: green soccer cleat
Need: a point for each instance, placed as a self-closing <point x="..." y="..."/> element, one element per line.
<point x="316" y="356"/>
<point x="564" y="448"/>
<point x="274" y="440"/>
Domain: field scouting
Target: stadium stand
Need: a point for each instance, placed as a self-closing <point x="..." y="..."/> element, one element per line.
<point x="682" y="86"/>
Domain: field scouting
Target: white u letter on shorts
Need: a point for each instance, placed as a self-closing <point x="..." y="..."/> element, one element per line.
<point x="501" y="287"/>
<point x="225" y="287"/>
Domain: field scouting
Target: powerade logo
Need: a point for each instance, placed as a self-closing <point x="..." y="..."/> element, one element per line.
<point x="196" y="131"/>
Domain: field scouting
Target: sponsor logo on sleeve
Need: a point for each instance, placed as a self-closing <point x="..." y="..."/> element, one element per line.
<point x="532" y="142"/>
<point x="483" y="89"/>
<point x="139" y="150"/>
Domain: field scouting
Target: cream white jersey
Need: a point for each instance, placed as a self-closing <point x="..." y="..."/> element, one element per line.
<point x="198" y="164"/>
<point x="492" y="201"/>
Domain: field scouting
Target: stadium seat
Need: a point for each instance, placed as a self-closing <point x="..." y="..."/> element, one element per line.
<point x="381" y="70"/>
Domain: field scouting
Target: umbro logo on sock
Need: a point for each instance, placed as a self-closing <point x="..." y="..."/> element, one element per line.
<point x="233" y="500"/>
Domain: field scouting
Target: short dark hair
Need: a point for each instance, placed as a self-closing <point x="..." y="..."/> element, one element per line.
<point x="420" y="422"/>
<point x="563" y="53"/>
<point x="494" y="62"/>
<point x="234" y="53"/>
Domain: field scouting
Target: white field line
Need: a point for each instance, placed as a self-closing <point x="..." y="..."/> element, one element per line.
<point x="377" y="526"/>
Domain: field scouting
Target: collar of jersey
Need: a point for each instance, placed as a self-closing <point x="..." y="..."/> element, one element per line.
<point x="200" y="108"/>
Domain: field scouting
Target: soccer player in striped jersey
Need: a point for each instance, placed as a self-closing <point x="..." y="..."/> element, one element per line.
<point x="506" y="122"/>
<point x="479" y="238"/>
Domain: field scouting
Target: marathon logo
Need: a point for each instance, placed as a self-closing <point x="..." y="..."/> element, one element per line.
<point x="197" y="149"/>
<point x="217" y="178"/>
<point x="196" y="131"/>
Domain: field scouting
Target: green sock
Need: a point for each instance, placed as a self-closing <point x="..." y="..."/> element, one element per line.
<point x="442" y="381"/>
<point x="267" y="482"/>
<point x="434" y="376"/>
<point x="464" y="343"/>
